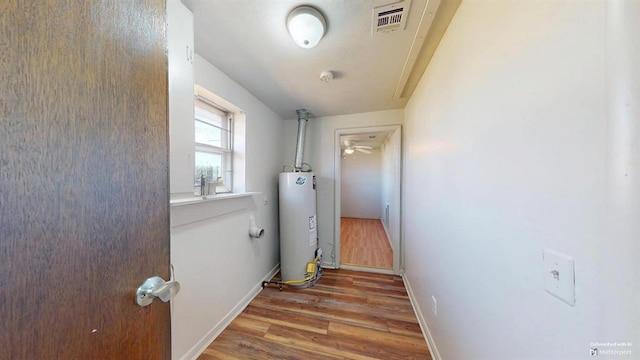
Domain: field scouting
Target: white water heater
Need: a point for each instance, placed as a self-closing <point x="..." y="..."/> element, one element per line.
<point x="298" y="224"/>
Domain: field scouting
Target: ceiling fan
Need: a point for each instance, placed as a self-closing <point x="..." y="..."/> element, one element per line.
<point x="351" y="147"/>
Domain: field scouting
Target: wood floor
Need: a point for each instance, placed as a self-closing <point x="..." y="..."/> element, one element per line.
<point x="363" y="242"/>
<point x="345" y="315"/>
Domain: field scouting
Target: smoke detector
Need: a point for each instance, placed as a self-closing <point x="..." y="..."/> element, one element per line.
<point x="390" y="18"/>
<point x="326" y="76"/>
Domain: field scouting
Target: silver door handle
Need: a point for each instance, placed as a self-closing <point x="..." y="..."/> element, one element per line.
<point x="156" y="287"/>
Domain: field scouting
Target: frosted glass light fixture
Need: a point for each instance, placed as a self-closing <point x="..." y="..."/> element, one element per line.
<point x="306" y="26"/>
<point x="349" y="151"/>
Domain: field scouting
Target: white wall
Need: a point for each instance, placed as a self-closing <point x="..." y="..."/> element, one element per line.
<point x="390" y="195"/>
<point x="521" y="135"/>
<point x="320" y="153"/>
<point x="219" y="266"/>
<point x="361" y="185"/>
<point x="181" y="107"/>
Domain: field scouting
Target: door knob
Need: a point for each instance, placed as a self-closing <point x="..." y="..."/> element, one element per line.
<point x="156" y="287"/>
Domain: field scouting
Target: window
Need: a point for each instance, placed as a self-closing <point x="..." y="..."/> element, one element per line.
<point x="213" y="146"/>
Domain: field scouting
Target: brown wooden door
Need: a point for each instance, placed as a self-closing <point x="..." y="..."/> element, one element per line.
<point x="84" y="203"/>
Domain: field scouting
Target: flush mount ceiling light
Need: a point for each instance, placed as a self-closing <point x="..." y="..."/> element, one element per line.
<point x="306" y="26"/>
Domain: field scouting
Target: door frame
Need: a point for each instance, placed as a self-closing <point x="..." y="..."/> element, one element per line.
<point x="396" y="237"/>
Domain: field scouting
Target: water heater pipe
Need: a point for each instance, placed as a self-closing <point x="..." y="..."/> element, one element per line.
<point x="303" y="117"/>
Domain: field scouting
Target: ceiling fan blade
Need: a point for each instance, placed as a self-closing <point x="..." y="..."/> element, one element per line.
<point x="363" y="150"/>
<point x="363" y="147"/>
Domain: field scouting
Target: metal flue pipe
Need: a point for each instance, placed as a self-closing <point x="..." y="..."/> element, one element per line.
<point x="303" y="117"/>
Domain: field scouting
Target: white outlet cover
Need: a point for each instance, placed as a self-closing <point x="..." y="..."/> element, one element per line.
<point x="559" y="276"/>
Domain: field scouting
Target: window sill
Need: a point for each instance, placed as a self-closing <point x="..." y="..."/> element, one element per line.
<point x="196" y="209"/>
<point x="199" y="199"/>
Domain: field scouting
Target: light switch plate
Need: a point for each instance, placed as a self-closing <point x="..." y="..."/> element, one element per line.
<point x="559" y="276"/>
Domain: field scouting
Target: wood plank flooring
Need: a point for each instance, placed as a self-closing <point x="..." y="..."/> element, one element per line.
<point x="363" y="242"/>
<point x="345" y="315"/>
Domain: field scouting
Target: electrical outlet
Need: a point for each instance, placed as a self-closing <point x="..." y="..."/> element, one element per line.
<point x="434" y="306"/>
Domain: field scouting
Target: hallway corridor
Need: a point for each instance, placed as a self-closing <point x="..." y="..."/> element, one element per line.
<point x="363" y="242"/>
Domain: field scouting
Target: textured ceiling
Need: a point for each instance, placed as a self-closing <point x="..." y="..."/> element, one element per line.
<point x="248" y="41"/>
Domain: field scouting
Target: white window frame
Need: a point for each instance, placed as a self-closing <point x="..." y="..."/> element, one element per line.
<point x="224" y="184"/>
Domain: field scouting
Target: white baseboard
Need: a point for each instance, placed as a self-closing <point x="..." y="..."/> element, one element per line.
<point x="212" y="334"/>
<point x="423" y="324"/>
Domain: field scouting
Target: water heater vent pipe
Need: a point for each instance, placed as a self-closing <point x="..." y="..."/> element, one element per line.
<point x="303" y="117"/>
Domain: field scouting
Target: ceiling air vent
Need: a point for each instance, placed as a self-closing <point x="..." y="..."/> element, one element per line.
<point x="389" y="18"/>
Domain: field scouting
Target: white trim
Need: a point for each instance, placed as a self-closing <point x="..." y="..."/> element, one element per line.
<point x="397" y="253"/>
<point x="201" y="91"/>
<point x="210" y="336"/>
<point x="435" y="355"/>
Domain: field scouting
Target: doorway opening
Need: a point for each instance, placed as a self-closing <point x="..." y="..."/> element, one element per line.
<point x="364" y="243"/>
<point x="367" y="208"/>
